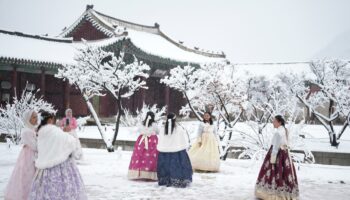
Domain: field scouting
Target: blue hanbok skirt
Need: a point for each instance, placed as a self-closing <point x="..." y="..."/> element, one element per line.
<point x="174" y="169"/>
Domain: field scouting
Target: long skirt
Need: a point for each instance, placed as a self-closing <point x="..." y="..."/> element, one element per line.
<point x="62" y="181"/>
<point x="204" y="153"/>
<point x="277" y="181"/>
<point x="19" y="185"/>
<point x="174" y="169"/>
<point x="143" y="163"/>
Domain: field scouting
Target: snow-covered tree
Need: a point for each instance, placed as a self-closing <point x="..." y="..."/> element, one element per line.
<point x="226" y="94"/>
<point x="11" y="115"/>
<point x="79" y="76"/>
<point x="113" y="74"/>
<point x="133" y="120"/>
<point x="266" y="99"/>
<point x="208" y="88"/>
<point x="328" y="89"/>
<point x="189" y="81"/>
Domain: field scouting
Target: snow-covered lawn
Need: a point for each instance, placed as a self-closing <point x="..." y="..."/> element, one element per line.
<point x="105" y="173"/>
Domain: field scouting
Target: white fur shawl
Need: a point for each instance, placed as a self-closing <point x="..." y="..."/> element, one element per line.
<point x="54" y="146"/>
<point x="173" y="142"/>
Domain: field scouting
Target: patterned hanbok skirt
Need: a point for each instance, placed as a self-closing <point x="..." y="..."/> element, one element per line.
<point x="174" y="169"/>
<point x="277" y="181"/>
<point x="143" y="163"/>
<point x="62" y="181"/>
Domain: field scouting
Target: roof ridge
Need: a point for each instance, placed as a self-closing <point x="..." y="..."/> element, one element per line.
<point x="194" y="50"/>
<point x="66" y="30"/>
<point x="108" y="25"/>
<point x="156" y="30"/>
<point x="16" y="33"/>
<point x="156" y="26"/>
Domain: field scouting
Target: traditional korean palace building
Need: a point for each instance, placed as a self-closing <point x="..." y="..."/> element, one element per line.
<point x="35" y="59"/>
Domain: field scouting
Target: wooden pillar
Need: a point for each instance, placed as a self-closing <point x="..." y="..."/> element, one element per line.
<point x="66" y="90"/>
<point x="15" y="87"/>
<point x="167" y="99"/>
<point x="43" y="82"/>
<point x="143" y="95"/>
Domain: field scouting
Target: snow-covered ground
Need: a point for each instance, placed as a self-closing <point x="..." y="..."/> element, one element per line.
<point x="316" y="137"/>
<point x="105" y="173"/>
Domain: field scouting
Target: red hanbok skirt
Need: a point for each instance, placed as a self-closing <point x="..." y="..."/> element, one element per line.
<point x="143" y="163"/>
<point x="277" y="181"/>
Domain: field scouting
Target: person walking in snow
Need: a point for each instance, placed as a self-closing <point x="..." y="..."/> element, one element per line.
<point x="174" y="166"/>
<point x="277" y="177"/>
<point x="204" y="153"/>
<point x="143" y="163"/>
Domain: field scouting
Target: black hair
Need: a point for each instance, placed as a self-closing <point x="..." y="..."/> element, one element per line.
<point x="150" y="122"/>
<point x="210" y="121"/>
<point x="45" y="116"/>
<point x="172" y="117"/>
<point x="281" y="120"/>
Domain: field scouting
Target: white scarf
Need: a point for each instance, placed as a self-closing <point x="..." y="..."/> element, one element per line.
<point x="54" y="146"/>
<point x="26" y="119"/>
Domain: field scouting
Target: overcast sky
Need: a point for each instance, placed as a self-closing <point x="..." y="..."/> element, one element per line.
<point x="246" y="30"/>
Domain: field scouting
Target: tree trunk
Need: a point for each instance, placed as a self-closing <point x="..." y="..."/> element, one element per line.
<point x="191" y="107"/>
<point x="346" y="124"/>
<point x="98" y="123"/>
<point x="334" y="142"/>
<point x="231" y="125"/>
<point x="226" y="153"/>
<point x="326" y="123"/>
<point x="119" y="103"/>
<point x="333" y="135"/>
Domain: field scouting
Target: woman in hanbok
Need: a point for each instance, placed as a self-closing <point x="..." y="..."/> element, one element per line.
<point x="204" y="153"/>
<point x="57" y="175"/>
<point x="174" y="166"/>
<point x="277" y="178"/>
<point x="19" y="185"/>
<point x="143" y="163"/>
<point x="69" y="124"/>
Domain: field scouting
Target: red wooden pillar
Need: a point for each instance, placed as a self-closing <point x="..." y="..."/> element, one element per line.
<point x="143" y="95"/>
<point x="66" y="101"/>
<point x="167" y="98"/>
<point x="43" y="82"/>
<point x="15" y="87"/>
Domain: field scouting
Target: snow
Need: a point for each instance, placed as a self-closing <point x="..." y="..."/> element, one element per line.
<point x="42" y="50"/>
<point x="157" y="45"/>
<point x="105" y="177"/>
<point x="317" y="139"/>
<point x="316" y="136"/>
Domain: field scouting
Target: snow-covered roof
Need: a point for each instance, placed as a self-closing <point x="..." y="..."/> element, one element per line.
<point x="44" y="50"/>
<point x="149" y="39"/>
<point x="159" y="46"/>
